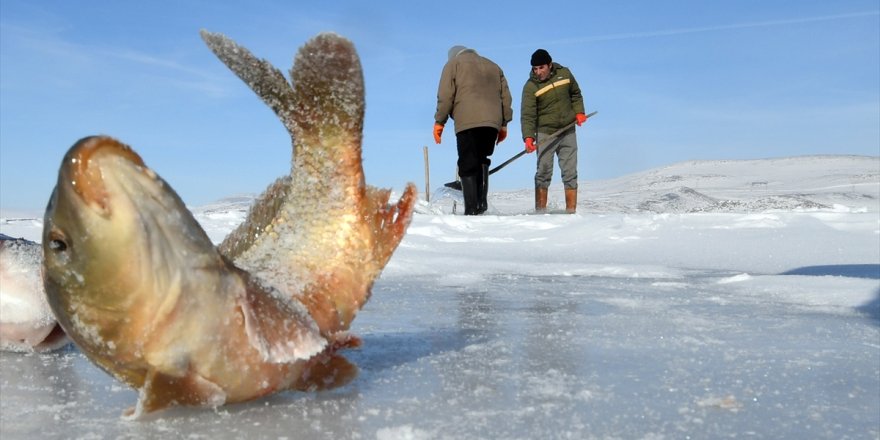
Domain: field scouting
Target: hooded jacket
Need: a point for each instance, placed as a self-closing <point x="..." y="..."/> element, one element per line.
<point x="473" y="92"/>
<point x="551" y="104"/>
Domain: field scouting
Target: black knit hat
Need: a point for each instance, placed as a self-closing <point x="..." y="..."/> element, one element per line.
<point x="541" y="57"/>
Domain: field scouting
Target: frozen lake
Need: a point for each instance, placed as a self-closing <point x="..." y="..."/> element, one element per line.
<point x="553" y="357"/>
<point x="700" y="321"/>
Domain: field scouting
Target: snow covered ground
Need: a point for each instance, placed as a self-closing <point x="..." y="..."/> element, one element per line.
<point x="713" y="299"/>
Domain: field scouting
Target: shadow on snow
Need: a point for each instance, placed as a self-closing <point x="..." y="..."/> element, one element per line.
<point x="867" y="271"/>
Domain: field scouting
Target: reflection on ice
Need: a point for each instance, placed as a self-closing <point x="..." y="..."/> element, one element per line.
<point x="520" y="358"/>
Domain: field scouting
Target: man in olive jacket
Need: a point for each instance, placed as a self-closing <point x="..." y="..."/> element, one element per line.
<point x="474" y="93"/>
<point x="551" y="100"/>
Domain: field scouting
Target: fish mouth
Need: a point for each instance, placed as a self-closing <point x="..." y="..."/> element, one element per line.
<point x="86" y="176"/>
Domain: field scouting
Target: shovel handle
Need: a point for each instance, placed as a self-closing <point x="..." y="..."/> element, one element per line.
<point x="457" y="185"/>
<point x="546" y="140"/>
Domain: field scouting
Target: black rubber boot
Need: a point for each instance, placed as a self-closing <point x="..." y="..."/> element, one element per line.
<point x="483" y="205"/>
<point x="471" y="195"/>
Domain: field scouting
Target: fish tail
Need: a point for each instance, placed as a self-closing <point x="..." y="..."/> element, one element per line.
<point x="261" y="76"/>
<point x="345" y="231"/>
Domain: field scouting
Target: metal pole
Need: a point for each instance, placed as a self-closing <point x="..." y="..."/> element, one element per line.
<point x="427" y="177"/>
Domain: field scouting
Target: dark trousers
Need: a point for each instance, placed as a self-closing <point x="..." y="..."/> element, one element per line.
<point x="474" y="148"/>
<point x="475" y="145"/>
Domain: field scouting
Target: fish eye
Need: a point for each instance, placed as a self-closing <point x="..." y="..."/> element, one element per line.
<point x="57" y="241"/>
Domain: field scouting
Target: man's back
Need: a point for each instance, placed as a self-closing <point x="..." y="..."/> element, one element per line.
<point x="474" y="92"/>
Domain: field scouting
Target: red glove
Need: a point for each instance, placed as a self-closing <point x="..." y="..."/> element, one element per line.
<point x="502" y="135"/>
<point x="530" y="145"/>
<point x="438" y="131"/>
<point x="581" y="118"/>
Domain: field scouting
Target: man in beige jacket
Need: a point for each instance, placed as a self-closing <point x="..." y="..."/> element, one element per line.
<point x="473" y="92"/>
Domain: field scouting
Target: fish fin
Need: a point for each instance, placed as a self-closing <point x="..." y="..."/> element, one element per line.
<point x="324" y="372"/>
<point x="327" y="120"/>
<point x="258" y="220"/>
<point x="279" y="328"/>
<point x="263" y="78"/>
<point x="327" y="66"/>
<point x="389" y="221"/>
<point x="161" y="390"/>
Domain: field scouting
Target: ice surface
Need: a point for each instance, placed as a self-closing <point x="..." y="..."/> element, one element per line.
<point x="755" y="322"/>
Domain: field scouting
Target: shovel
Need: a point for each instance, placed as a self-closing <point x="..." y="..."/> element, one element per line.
<point x="456" y="184"/>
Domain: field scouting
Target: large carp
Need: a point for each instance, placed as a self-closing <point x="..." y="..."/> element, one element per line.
<point x="138" y="285"/>
<point x="26" y="321"/>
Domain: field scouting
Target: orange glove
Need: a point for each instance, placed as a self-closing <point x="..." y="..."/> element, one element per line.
<point x="502" y="135"/>
<point x="581" y="118"/>
<point x="530" y="145"/>
<point x="438" y="131"/>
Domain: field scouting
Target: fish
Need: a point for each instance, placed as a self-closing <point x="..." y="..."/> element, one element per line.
<point x="26" y="321"/>
<point x="333" y="263"/>
<point x="137" y="284"/>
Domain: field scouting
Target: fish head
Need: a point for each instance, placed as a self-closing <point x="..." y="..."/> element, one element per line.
<point x="117" y="241"/>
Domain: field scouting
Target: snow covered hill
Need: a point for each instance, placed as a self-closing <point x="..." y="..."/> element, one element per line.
<point x="796" y="183"/>
<point x="741" y="186"/>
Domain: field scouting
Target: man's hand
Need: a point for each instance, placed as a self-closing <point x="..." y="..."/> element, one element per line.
<point x="438" y="132"/>
<point x="502" y="135"/>
<point x="530" y="145"/>
<point x="581" y="118"/>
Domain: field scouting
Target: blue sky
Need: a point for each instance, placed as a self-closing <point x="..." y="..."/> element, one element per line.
<point x="672" y="81"/>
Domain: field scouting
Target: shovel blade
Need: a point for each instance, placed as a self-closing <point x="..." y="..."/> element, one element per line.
<point x="455" y="184"/>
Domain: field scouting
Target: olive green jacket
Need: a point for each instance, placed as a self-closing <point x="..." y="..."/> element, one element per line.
<point x="551" y="104"/>
<point x="474" y="93"/>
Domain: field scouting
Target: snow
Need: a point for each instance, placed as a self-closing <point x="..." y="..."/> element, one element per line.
<point x="707" y="299"/>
